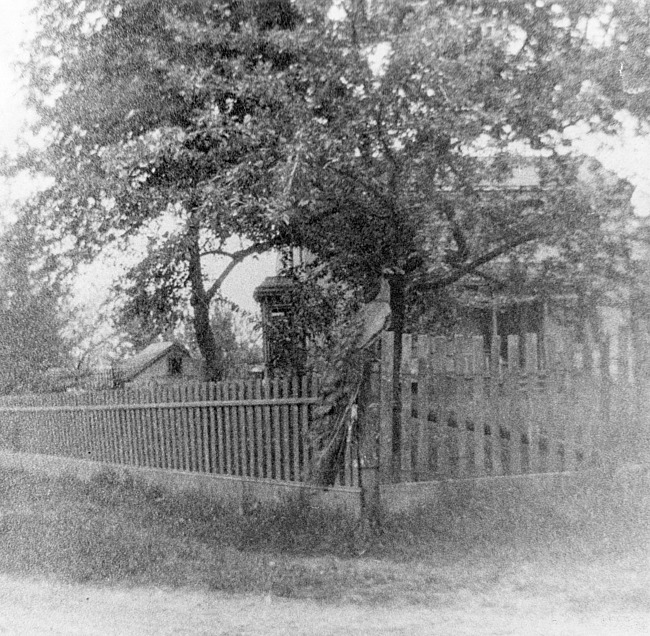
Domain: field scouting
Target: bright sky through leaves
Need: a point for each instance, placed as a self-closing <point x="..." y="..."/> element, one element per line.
<point x="630" y="159"/>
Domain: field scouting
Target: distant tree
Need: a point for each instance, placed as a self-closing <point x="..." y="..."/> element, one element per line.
<point x="31" y="324"/>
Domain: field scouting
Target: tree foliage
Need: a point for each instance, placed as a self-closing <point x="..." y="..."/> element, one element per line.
<point x="405" y="166"/>
<point x="31" y="340"/>
<point x="175" y="111"/>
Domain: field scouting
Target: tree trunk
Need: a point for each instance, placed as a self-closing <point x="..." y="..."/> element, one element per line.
<point x="397" y="284"/>
<point x="200" y="301"/>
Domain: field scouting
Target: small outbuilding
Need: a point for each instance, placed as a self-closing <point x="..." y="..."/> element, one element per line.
<point x="160" y="363"/>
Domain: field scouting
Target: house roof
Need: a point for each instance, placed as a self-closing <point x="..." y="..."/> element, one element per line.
<point x="148" y="356"/>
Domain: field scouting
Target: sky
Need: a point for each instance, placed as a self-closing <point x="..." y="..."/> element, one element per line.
<point x="631" y="160"/>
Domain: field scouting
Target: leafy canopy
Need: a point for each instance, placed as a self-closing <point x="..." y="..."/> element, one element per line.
<point x="174" y="112"/>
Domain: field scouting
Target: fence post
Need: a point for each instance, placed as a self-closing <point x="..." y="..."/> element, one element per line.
<point x="533" y="405"/>
<point x="496" y="463"/>
<point x="386" y="408"/>
<point x="369" y="449"/>
<point x="478" y="406"/>
<point x="406" y="380"/>
<point x="423" y="426"/>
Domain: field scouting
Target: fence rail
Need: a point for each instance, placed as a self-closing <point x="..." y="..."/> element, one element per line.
<point x="246" y="428"/>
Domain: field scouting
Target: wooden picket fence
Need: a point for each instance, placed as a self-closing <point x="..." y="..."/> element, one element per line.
<point x="254" y="429"/>
<point x="467" y="412"/>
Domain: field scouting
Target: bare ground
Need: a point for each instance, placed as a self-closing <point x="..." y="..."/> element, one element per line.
<point x="112" y="558"/>
<point x="608" y="598"/>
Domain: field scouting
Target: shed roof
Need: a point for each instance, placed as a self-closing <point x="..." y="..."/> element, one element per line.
<point x="148" y="356"/>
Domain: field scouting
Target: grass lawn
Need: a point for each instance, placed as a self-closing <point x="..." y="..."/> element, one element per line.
<point x="587" y="553"/>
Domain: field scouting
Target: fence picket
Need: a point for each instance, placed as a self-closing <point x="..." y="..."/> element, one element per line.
<point x="437" y="402"/>
<point x="422" y="433"/>
<point x="268" y="437"/>
<point x="531" y="405"/>
<point x="285" y="435"/>
<point x="406" y="450"/>
<point x="385" y="416"/>
<point x="277" y="432"/>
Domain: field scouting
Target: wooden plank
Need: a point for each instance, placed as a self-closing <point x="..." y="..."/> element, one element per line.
<point x="206" y="436"/>
<point x="466" y="379"/>
<point x="154" y="424"/>
<point x="268" y="432"/>
<point x="135" y="455"/>
<point x="215" y="465"/>
<point x="277" y="431"/>
<point x="440" y="385"/>
<point x="176" y="430"/>
<point x="115" y="426"/>
<point x="513" y="417"/>
<point x="242" y="430"/>
<point x="572" y="423"/>
<point x="84" y="426"/>
<point x="191" y="427"/>
<point x="406" y="460"/>
<point x="422" y="428"/>
<point x="199" y="427"/>
<point x="222" y="436"/>
<point x="138" y="428"/>
<point x="119" y="432"/>
<point x="72" y="428"/>
<point x="169" y="404"/>
<point x="186" y="426"/>
<point x="93" y="429"/>
<point x="307" y="389"/>
<point x="231" y="388"/>
<point x="107" y="427"/>
<point x="126" y="427"/>
<point x="162" y="418"/>
<point x="195" y="428"/>
<point x="532" y="402"/>
<point x="284" y="427"/>
<point x="131" y="424"/>
<point x="247" y="413"/>
<point x="258" y="426"/>
<point x="295" y="430"/>
<point x="385" y="410"/>
<point x="248" y="416"/>
<point x="79" y="441"/>
<point x="478" y="407"/>
<point x="228" y="431"/>
<point x="148" y="431"/>
<point x="111" y="427"/>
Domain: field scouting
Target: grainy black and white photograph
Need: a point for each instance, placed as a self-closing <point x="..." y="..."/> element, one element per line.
<point x="325" y="317"/>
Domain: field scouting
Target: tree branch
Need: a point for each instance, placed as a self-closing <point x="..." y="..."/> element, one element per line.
<point x="236" y="259"/>
<point x="468" y="268"/>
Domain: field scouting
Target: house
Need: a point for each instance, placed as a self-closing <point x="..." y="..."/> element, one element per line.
<point x="159" y="363"/>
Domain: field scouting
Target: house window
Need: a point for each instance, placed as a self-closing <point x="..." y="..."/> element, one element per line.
<point x="175" y="366"/>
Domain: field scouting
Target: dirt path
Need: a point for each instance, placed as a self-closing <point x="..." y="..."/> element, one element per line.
<point x="39" y="607"/>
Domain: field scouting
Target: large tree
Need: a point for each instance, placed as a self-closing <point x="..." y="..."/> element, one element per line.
<point x="403" y="166"/>
<point x="177" y="111"/>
